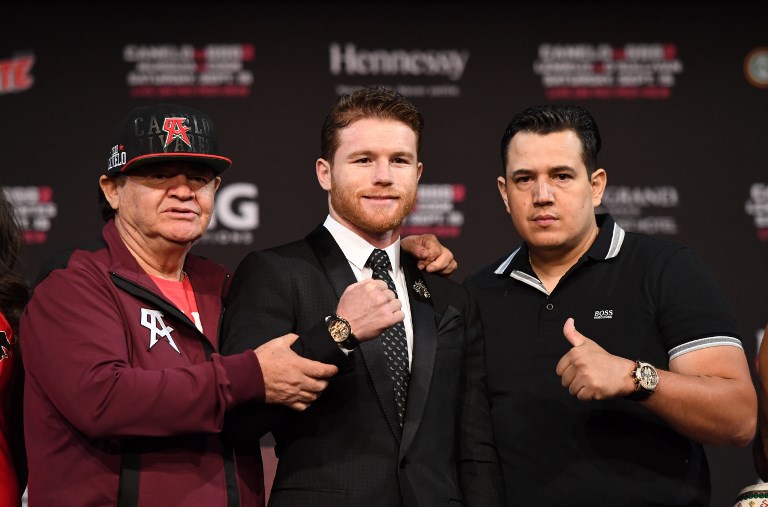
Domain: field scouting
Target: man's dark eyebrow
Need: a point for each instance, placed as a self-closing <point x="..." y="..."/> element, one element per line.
<point x="558" y="168"/>
<point x="520" y="171"/>
<point x="360" y="153"/>
<point x="369" y="153"/>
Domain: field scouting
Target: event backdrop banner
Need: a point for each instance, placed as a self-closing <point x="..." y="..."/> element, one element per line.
<point x="679" y="90"/>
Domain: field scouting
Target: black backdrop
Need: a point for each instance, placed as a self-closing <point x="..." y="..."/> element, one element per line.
<point x="679" y="90"/>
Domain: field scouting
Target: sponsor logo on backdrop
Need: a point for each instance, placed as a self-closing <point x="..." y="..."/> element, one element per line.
<point x="15" y="74"/>
<point x="236" y="216"/>
<point x="35" y="208"/>
<point x="184" y="70"/>
<point x="643" y="209"/>
<point x="757" y="207"/>
<point x="435" y="211"/>
<point x="605" y="71"/>
<point x="438" y="71"/>
<point x="756" y="67"/>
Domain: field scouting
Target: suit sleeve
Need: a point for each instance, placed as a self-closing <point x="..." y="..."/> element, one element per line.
<point x="263" y="302"/>
<point x="479" y="469"/>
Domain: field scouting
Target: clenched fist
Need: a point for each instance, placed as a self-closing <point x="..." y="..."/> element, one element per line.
<point x="370" y="308"/>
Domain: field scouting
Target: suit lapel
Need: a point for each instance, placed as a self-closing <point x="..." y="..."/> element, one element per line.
<point x="424" y="350"/>
<point x="340" y="276"/>
<point x="373" y="355"/>
<point x="332" y="260"/>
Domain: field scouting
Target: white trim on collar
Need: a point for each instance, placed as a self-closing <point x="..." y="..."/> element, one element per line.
<point x="504" y="265"/>
<point x="617" y="239"/>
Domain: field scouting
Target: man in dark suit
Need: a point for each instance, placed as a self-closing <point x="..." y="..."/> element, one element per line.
<point x="406" y="419"/>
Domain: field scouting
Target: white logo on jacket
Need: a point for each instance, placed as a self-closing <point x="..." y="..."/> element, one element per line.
<point x="603" y="314"/>
<point x="153" y="320"/>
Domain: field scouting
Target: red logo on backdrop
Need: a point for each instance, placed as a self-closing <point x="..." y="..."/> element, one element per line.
<point x="14" y="74"/>
<point x="45" y="194"/>
<point x="603" y="71"/>
<point x="184" y="70"/>
<point x="176" y="130"/>
<point x="436" y="211"/>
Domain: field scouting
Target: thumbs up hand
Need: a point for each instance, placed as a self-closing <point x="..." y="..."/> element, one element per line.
<point x="590" y="372"/>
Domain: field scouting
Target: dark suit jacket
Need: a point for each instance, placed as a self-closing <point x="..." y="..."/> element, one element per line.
<point x="348" y="449"/>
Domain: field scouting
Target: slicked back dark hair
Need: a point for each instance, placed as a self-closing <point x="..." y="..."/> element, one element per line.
<point x="550" y="118"/>
<point x="370" y="102"/>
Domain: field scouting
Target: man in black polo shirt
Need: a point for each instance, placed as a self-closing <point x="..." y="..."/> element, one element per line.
<point x="611" y="356"/>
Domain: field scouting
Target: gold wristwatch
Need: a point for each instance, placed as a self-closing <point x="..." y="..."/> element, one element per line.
<point x="341" y="332"/>
<point x="646" y="380"/>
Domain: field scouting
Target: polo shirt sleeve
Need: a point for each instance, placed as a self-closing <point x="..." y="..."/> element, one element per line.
<point x="693" y="312"/>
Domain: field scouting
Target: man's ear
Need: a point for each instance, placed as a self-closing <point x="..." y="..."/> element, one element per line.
<point x="502" y="183"/>
<point x="323" y="169"/>
<point x="598" y="181"/>
<point x="110" y="188"/>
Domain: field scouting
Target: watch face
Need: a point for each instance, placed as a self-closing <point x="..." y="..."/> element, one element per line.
<point x="647" y="376"/>
<point x="339" y="330"/>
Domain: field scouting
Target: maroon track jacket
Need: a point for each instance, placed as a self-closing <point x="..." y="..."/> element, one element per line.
<point x="114" y="414"/>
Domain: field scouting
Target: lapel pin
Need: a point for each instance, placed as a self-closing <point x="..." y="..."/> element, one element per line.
<point x="421" y="289"/>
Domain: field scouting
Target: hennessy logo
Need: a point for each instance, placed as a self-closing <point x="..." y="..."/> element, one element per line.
<point x="351" y="60"/>
<point x="176" y="130"/>
<point x="153" y="320"/>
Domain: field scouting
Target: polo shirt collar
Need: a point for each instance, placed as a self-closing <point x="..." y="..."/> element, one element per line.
<point x="608" y="242"/>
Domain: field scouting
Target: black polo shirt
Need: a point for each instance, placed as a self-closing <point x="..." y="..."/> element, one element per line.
<point x="639" y="298"/>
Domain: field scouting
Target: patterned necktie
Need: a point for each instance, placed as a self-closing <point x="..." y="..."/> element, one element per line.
<point x="393" y="339"/>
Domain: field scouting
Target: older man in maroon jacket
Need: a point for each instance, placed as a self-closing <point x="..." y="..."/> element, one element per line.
<point x="125" y="392"/>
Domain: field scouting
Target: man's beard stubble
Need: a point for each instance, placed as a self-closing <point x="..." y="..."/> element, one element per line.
<point x="347" y="206"/>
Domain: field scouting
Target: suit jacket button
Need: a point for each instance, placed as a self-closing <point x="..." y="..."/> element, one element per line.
<point x="403" y="462"/>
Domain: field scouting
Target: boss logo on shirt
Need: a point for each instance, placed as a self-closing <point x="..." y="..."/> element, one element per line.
<point x="603" y="314"/>
<point x="153" y="320"/>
